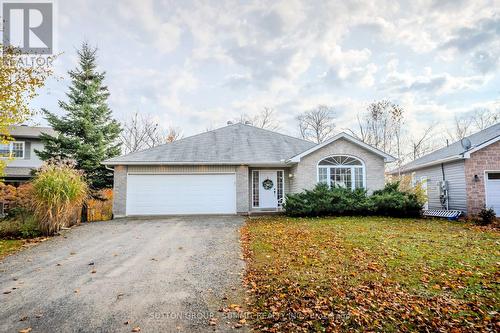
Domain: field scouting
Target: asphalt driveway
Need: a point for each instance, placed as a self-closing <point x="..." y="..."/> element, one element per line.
<point x="162" y="275"/>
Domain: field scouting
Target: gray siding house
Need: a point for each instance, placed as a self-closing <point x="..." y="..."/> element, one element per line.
<point x="19" y="154"/>
<point x="463" y="176"/>
<point x="238" y="169"/>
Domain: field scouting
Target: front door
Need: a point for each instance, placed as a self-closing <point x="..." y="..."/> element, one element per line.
<point x="268" y="189"/>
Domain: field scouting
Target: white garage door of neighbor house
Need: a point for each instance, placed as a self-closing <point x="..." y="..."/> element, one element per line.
<point x="181" y="194"/>
<point x="493" y="191"/>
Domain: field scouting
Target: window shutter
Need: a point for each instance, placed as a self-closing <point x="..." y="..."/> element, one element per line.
<point x="27" y="150"/>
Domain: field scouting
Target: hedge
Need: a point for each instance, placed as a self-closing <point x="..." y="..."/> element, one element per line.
<point x="337" y="201"/>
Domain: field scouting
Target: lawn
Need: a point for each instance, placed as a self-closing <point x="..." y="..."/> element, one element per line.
<point x="9" y="245"/>
<point x="379" y="274"/>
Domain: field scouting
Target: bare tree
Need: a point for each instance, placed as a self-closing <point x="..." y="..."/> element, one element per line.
<point x="382" y="126"/>
<point x="423" y="144"/>
<point x="142" y="132"/>
<point x="317" y="124"/>
<point x="460" y="129"/>
<point x="264" y="119"/>
<point x="173" y="134"/>
<point x="483" y="118"/>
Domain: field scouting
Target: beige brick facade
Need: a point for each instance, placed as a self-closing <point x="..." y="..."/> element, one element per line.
<point x="120" y="191"/>
<point x="486" y="159"/>
<point x="305" y="173"/>
<point x="242" y="199"/>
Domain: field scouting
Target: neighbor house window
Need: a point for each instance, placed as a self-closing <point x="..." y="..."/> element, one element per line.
<point x="342" y="171"/>
<point x="13" y="149"/>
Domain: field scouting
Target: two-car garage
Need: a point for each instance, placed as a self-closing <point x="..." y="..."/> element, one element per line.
<point x="177" y="194"/>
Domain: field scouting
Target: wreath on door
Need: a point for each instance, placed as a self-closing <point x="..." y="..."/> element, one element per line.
<point x="267" y="184"/>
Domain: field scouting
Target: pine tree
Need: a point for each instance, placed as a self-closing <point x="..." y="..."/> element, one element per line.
<point x="87" y="132"/>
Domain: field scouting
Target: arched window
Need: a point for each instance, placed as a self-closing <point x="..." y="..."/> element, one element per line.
<point x="343" y="171"/>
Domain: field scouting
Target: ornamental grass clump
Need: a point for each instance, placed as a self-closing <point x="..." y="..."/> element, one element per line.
<point x="59" y="192"/>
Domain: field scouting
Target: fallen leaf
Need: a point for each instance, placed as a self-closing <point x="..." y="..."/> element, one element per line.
<point x="25" y="330"/>
<point x="136" y="329"/>
<point x="93" y="271"/>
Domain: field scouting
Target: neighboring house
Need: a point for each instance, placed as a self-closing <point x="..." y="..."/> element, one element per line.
<point x="463" y="176"/>
<point x="238" y="169"/>
<point x="20" y="155"/>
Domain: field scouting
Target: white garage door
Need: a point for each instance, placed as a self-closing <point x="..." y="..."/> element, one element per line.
<point x="181" y="194"/>
<point x="493" y="191"/>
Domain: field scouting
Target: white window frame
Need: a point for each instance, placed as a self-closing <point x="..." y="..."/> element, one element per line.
<point x="352" y="167"/>
<point x="257" y="171"/>
<point x="11" y="148"/>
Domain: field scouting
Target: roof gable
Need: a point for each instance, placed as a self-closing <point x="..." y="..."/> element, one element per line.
<point x="233" y="144"/>
<point x="343" y="135"/>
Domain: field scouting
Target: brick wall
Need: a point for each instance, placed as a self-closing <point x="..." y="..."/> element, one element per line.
<point x="242" y="199"/>
<point x="487" y="158"/>
<point x="119" y="191"/>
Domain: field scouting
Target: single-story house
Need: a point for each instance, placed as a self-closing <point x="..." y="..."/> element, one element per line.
<point x="463" y="176"/>
<point x="19" y="154"/>
<point x="238" y="169"/>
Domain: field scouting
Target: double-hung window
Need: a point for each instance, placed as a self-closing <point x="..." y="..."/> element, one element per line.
<point x="342" y="171"/>
<point x="13" y="149"/>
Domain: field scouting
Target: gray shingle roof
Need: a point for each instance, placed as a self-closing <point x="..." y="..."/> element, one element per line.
<point x="238" y="143"/>
<point x="455" y="148"/>
<point x="30" y="131"/>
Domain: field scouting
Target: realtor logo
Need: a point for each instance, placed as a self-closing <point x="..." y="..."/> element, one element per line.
<point x="28" y="26"/>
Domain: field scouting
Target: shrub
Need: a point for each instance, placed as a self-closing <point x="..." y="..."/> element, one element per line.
<point x="390" y="201"/>
<point x="100" y="207"/>
<point x="487" y="216"/>
<point x="19" y="226"/>
<point x="15" y="198"/>
<point x="58" y="194"/>
<point x="323" y="200"/>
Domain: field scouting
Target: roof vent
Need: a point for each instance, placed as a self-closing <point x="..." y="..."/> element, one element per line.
<point x="466" y="144"/>
<point x="229" y="122"/>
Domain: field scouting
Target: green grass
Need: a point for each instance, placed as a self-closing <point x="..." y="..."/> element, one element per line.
<point x="358" y="268"/>
<point x="9" y="245"/>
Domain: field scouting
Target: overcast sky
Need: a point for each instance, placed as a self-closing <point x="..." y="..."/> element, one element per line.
<point x="197" y="64"/>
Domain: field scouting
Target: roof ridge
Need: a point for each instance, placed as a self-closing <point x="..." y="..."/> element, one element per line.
<point x="274" y="132"/>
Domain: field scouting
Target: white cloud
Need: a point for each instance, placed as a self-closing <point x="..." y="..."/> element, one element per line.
<point x="200" y="62"/>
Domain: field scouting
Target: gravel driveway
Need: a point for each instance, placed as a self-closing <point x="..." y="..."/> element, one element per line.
<point x="162" y="275"/>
